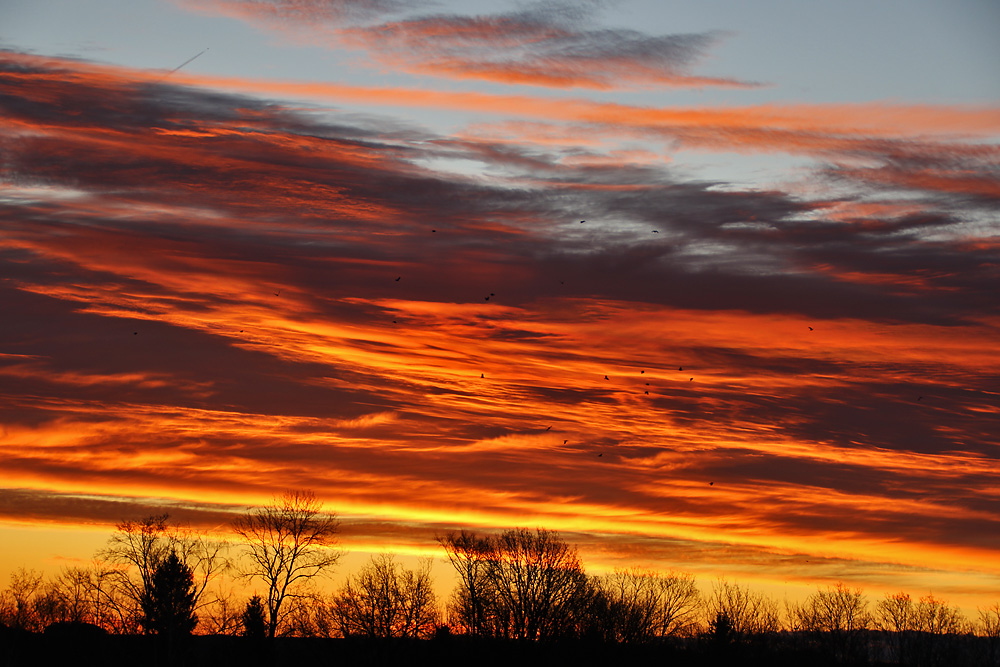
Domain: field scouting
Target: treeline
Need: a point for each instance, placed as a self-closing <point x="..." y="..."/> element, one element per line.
<point x="516" y="586"/>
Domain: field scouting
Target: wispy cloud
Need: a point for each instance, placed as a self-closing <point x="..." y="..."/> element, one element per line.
<point x="549" y="44"/>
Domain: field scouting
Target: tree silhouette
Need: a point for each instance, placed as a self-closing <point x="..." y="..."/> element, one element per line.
<point x="386" y="600"/>
<point x="528" y="585"/>
<point x="168" y="602"/>
<point x="837" y="618"/>
<point x="746" y="613"/>
<point x="254" y="623"/>
<point x="136" y="550"/>
<point x="287" y="546"/>
<point x="468" y="554"/>
<point x="640" y="605"/>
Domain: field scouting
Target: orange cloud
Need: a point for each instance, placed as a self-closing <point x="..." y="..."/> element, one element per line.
<point x="217" y="299"/>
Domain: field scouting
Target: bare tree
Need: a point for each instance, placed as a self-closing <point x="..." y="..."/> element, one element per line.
<point x="311" y="614"/>
<point x="19" y="602"/>
<point x="222" y="616"/>
<point x="288" y="543"/>
<point x="937" y="617"/>
<point x="387" y="600"/>
<point x="836" y="617"/>
<point x="138" y="548"/>
<point x="75" y="588"/>
<point x="894" y="618"/>
<point x="736" y="613"/>
<point x="518" y="584"/>
<point x="539" y="581"/>
<point x="938" y="625"/>
<point x="115" y="609"/>
<point x="923" y="628"/>
<point x="989" y="627"/>
<point x="468" y="553"/>
<point x="645" y="604"/>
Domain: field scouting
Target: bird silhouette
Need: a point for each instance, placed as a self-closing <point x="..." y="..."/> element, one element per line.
<point x="656" y="231"/>
<point x="680" y="368"/>
<point x="582" y="221"/>
<point x="278" y="293"/>
<point x="711" y="483"/>
<point x="548" y="428"/>
<point x="487" y="298"/>
<point x="647" y="392"/>
<point x="641" y="372"/>
<point x="921" y="398"/>
<point x="605" y="377"/>
<point x="810" y="328"/>
<point x="482" y="375"/>
<point x="565" y="441"/>
<point x="397" y="279"/>
<point x="689" y="379"/>
<point x="135" y="333"/>
<point x="601" y="454"/>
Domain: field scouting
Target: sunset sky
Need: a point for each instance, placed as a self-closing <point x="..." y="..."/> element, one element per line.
<point x="707" y="286"/>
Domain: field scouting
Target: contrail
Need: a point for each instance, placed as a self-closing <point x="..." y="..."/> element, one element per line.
<point x="183" y="63"/>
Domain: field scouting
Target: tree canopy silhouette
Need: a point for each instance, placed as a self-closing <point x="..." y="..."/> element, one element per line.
<point x="387" y="600"/>
<point x="288" y="543"/>
<point x="518" y="584"/>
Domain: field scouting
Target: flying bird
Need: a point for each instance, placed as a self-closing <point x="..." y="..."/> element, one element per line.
<point x="582" y="221"/>
<point x="397" y="279"/>
<point x="711" y="483"/>
<point x="601" y="454"/>
<point x="810" y="328"/>
<point x="605" y="377"/>
<point x="565" y="441"/>
<point x="656" y="231"/>
<point x="482" y="375"/>
<point x="680" y="368"/>
<point x="548" y="428"/>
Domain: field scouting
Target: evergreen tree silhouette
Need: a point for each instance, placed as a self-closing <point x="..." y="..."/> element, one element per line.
<point x="168" y="603"/>
<point x="254" y="623"/>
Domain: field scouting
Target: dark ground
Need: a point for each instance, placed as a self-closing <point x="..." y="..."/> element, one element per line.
<point x="40" y="650"/>
<point x="80" y="647"/>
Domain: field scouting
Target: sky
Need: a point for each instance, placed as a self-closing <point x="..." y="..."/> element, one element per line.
<point x="702" y="286"/>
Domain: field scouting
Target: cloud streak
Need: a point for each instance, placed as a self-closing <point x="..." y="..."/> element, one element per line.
<point x="547" y="44"/>
<point x="220" y="296"/>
